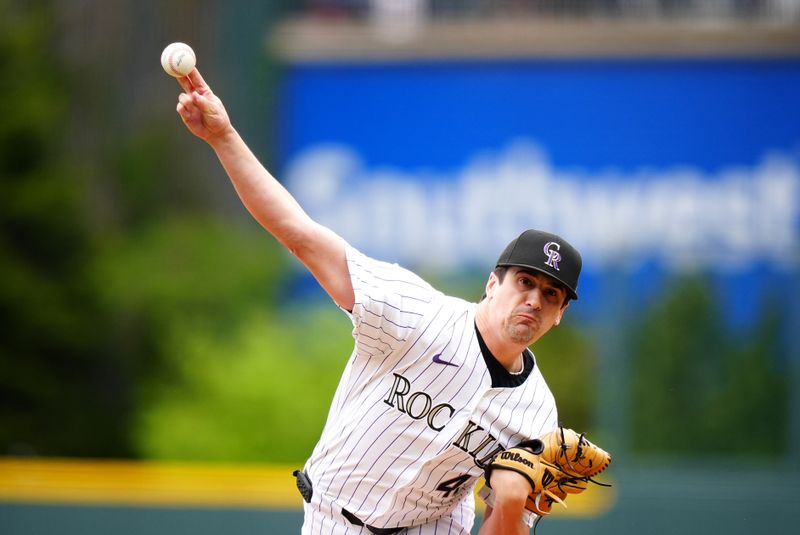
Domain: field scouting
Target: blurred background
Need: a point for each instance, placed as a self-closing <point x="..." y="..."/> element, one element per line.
<point x="165" y="365"/>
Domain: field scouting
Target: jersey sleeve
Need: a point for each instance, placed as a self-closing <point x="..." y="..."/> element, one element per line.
<point x="391" y="302"/>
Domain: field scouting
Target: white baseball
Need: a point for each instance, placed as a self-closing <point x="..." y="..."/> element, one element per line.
<point x="178" y="59"/>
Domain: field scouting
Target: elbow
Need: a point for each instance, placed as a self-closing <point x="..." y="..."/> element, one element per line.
<point x="297" y="238"/>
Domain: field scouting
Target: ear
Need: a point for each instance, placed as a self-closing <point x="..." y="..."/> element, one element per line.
<point x="491" y="284"/>
<point x="561" y="313"/>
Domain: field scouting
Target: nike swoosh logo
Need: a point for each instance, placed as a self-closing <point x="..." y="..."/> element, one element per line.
<point x="437" y="358"/>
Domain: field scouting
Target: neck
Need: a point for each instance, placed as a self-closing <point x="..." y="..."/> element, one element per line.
<point x="508" y="354"/>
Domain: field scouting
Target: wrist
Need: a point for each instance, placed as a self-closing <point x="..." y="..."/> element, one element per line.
<point x="224" y="137"/>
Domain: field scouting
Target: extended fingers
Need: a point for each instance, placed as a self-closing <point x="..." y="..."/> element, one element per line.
<point x="194" y="82"/>
<point x="196" y="79"/>
<point x="185" y="83"/>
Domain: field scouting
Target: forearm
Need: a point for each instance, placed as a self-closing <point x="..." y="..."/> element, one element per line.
<point x="503" y="521"/>
<point x="263" y="196"/>
<point x="505" y="512"/>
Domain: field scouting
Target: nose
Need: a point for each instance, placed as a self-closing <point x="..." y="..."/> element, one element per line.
<point x="534" y="299"/>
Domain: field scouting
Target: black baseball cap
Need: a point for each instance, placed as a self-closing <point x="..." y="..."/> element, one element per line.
<point x="547" y="253"/>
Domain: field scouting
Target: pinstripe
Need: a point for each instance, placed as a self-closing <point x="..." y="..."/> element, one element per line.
<point x="321" y="525"/>
<point x="443" y="463"/>
<point x="384" y="331"/>
<point x="386" y="319"/>
<point x="383" y="318"/>
<point x="350" y="391"/>
<point x="422" y="455"/>
<point x="374" y="385"/>
<point x="422" y="452"/>
<point x="354" y="447"/>
<point x="397" y="308"/>
<point x="353" y="425"/>
<point x="379" y="340"/>
<point x="375" y="267"/>
<point x="503" y="410"/>
<point x="394" y="482"/>
<point x="377" y="457"/>
<point x="419" y="508"/>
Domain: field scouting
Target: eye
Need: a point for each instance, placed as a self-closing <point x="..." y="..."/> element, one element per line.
<point x="524" y="281"/>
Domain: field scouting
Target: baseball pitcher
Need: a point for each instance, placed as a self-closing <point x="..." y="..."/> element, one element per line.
<point x="438" y="392"/>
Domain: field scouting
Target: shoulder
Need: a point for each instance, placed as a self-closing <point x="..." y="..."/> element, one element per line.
<point x="381" y="279"/>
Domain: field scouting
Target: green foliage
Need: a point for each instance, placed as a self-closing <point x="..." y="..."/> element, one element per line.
<point x="55" y="385"/>
<point x="32" y="86"/>
<point x="188" y="264"/>
<point x="165" y="279"/>
<point x="699" y="387"/>
<point x="93" y="276"/>
<point x="569" y="365"/>
<point x="259" y="392"/>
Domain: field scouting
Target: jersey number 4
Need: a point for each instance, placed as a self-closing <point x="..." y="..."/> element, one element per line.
<point x="451" y="485"/>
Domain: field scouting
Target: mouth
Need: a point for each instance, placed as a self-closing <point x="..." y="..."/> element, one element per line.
<point x="527" y="318"/>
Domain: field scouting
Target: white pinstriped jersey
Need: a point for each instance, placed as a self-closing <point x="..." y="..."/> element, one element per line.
<point x="421" y="405"/>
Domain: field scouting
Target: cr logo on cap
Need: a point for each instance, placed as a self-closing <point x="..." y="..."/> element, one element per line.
<point x="553" y="256"/>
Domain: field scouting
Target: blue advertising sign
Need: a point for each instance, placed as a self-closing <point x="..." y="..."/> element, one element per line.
<point x="644" y="165"/>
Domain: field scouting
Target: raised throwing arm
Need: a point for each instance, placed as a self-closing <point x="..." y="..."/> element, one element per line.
<point x="320" y="249"/>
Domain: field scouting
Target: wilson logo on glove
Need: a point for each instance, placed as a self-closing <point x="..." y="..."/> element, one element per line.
<point x="517" y="458"/>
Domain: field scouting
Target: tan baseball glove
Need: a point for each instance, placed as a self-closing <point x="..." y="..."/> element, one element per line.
<point x="525" y="459"/>
<point x="573" y="454"/>
<point x="558" y="464"/>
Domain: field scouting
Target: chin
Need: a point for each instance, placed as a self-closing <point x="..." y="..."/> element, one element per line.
<point x="522" y="336"/>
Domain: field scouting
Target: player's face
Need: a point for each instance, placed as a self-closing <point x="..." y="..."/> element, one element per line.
<point x="526" y="304"/>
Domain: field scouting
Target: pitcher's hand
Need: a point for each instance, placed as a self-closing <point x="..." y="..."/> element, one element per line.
<point x="201" y="110"/>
